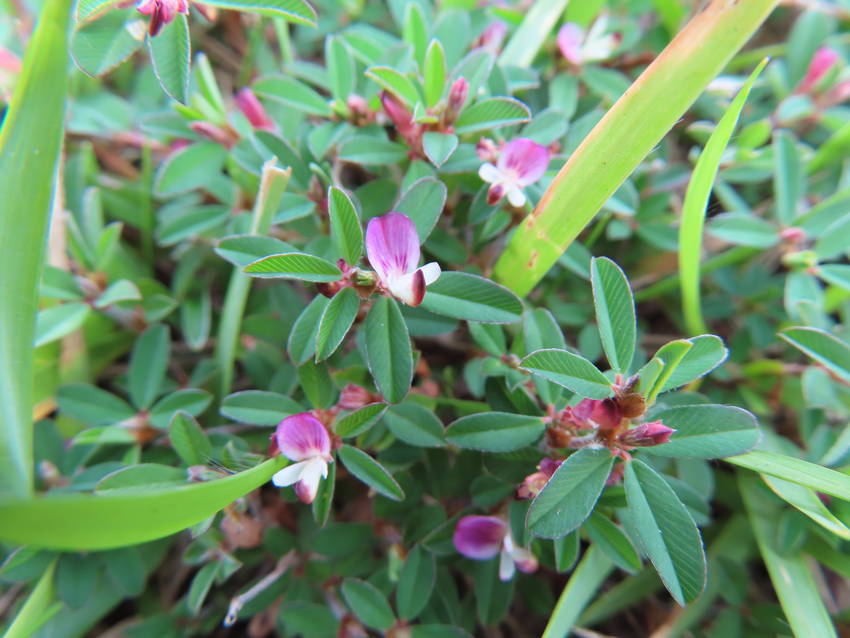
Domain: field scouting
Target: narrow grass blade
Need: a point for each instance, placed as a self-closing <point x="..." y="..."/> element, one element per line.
<point x="29" y="148"/>
<point x="696" y="200"/>
<point x="591" y="572"/>
<point x="820" y="479"/>
<point x="526" y="42"/>
<point x="791" y="576"/>
<point x="629" y="131"/>
<point x="38" y="609"/>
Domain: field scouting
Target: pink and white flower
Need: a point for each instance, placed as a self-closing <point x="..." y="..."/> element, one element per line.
<point x="392" y="246"/>
<point x="303" y="439"/>
<point x="579" y="48"/>
<point x="482" y="537"/>
<point x="521" y="163"/>
<point x="161" y="12"/>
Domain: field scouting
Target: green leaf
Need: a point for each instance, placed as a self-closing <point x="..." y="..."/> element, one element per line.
<point x="792" y="578"/>
<point x="366" y="469"/>
<point x="102" y="44"/>
<point x="744" y="230"/>
<point x="613" y="541"/>
<point x="491" y="113"/>
<point x="259" y="407"/>
<point x="371" y="151"/>
<point x="835" y="274"/>
<point x="297" y="11"/>
<point x="388" y="351"/>
<point x="696" y="200"/>
<point x="336" y="321"/>
<point x="569" y="370"/>
<point x="585" y="581"/>
<point x="527" y="40"/>
<point x="200" y="587"/>
<point x="242" y="250"/>
<point x="667" y="532"/>
<point x="571" y="494"/>
<point x="92" y="405"/>
<point x="189" y="440"/>
<point x="148" y="364"/>
<point x="359" y="421"/>
<point x="341" y="69"/>
<point x="142" y="477"/>
<point x="190" y="222"/>
<point x="88" y="8"/>
<point x="630" y="130"/>
<point x="121" y="290"/>
<point x="423" y="202"/>
<point x="38" y="608"/>
<point x="394" y="82"/>
<point x="434" y="75"/>
<point x="788" y="176"/>
<point x="190" y="400"/>
<point x="189" y="168"/>
<point x="439" y="146"/>
<point x="807" y="501"/>
<point x="707" y="431"/>
<point x="415" y="583"/>
<point x="466" y="296"/>
<point x="495" y="431"/>
<point x="566" y="551"/>
<point x="830" y="352"/>
<point x="81" y="522"/>
<point x="301" y="266"/>
<point x="324" y="497"/>
<point x="171" y="56"/>
<point x="345" y="225"/>
<point x="705" y="354"/>
<point x="415" y="31"/>
<point x="292" y="93"/>
<point x="812" y="475"/>
<point x="615" y="313"/>
<point x="415" y="425"/>
<point x="368" y="604"/>
<point x="60" y="321"/>
<point x="301" y="344"/>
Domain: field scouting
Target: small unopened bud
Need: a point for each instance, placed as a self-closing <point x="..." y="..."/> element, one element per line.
<point x="457" y="98"/>
<point x="354" y="397"/>
<point x="213" y="133"/>
<point x="793" y="235"/>
<point x="402" y="119"/>
<point x="253" y="110"/>
<point x="646" y="435"/>
<point x="492" y="37"/>
<point x="533" y="483"/>
<point x="822" y="61"/>
<point x="604" y="414"/>
<point x="487" y="150"/>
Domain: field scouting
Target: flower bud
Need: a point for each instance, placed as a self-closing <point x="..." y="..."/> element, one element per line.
<point x="492" y="37"/>
<point x="354" y="397"/>
<point x="457" y="98"/>
<point x="213" y="133"/>
<point x="253" y="110"/>
<point x="822" y="61"/>
<point x="603" y="414"/>
<point x="646" y="435"/>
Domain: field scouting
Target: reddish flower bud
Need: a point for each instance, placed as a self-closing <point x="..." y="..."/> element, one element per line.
<point x="535" y="482"/>
<point x="213" y="133"/>
<point x="253" y="110"/>
<point x="646" y="435"/>
<point x="354" y="397"/>
<point x="457" y="98"/>
<point x="603" y="414"/>
<point x="822" y="61"/>
<point x="492" y="37"/>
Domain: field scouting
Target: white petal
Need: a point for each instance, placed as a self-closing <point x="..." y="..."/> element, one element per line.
<point x="506" y="566"/>
<point x="489" y="173"/>
<point x="516" y="197"/>
<point x="313" y="472"/>
<point x="290" y="474"/>
<point x="401" y="287"/>
<point x="431" y="272"/>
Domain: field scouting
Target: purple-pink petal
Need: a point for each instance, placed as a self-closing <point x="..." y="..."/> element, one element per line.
<point x="822" y="61"/>
<point x="392" y="245"/>
<point x="570" y="37"/>
<point x="526" y="158"/>
<point x="302" y="436"/>
<point x="479" y="537"/>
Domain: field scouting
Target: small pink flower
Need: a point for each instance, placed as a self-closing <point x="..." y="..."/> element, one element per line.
<point x="161" y="12"/>
<point x="392" y="246"/>
<point x="521" y="163"/>
<point x="646" y="435"/>
<point x="492" y="37"/>
<point x="596" y="45"/>
<point x="253" y="110"/>
<point x="533" y="483"/>
<point x="822" y="61"/>
<point x="601" y="414"/>
<point x="482" y="537"/>
<point x="303" y="439"/>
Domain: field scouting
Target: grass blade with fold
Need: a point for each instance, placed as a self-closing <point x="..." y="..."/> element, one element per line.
<point x="526" y="42"/>
<point x="30" y="141"/>
<point x="38" y="608"/>
<point x="627" y="133"/>
<point x="696" y="199"/>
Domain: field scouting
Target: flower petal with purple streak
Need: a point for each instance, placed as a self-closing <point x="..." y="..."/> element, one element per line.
<point x="479" y="537"/>
<point x="301" y="437"/>
<point x="525" y="158"/>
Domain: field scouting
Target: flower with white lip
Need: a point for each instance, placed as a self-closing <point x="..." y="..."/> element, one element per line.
<point x="392" y="246"/>
<point x="521" y="163"/>
<point x="482" y="537"/>
<point x="303" y="439"/>
<point x="579" y="48"/>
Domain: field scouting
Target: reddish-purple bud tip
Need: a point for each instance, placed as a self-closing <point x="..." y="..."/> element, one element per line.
<point x="253" y="110"/>
<point x="646" y="435"/>
<point x="822" y="61"/>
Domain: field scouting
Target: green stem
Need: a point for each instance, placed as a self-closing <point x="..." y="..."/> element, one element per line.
<point x="588" y="577"/>
<point x="627" y="133"/>
<point x="281" y="28"/>
<point x="272" y="186"/>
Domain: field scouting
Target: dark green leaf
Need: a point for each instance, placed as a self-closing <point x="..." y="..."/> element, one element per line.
<point x="171" y="57"/>
<point x="612" y="541"/>
<point x="189" y="440"/>
<point x="301" y="266"/>
<point x="368" y="604"/>
<point x="415" y="583"/>
<point x="336" y="321"/>
<point x="388" y="350"/>
<point x="491" y="113"/>
<point x="465" y="296"/>
<point x="423" y="202"/>
<point x="822" y="347"/>
<point x="345" y="225"/>
<point x="258" y="407"/>
<point x="495" y="431"/>
<point x="301" y="344"/>
<point x="615" y="313"/>
<point x="415" y="425"/>
<point x="148" y="363"/>
<point x="359" y="421"/>
<point x="570" y="371"/>
<point x="707" y="431"/>
<point x="365" y="468"/>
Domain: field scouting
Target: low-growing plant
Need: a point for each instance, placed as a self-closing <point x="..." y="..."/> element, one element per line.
<point x="334" y="334"/>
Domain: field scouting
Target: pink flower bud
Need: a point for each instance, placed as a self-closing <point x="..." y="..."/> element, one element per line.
<point x="646" y="435"/>
<point x="492" y="37"/>
<point x="354" y="397"/>
<point x="793" y="235"/>
<point x="603" y="414"/>
<point x="253" y="110"/>
<point x="822" y="61"/>
<point x="535" y="482"/>
<point x="457" y="98"/>
<point x="213" y="133"/>
<point x="161" y="12"/>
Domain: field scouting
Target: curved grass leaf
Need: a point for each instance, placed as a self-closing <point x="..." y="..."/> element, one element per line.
<point x="667" y="532"/>
<point x="81" y="522"/>
<point x="388" y="351"/>
<point x="38" y="608"/>
<point x="806" y="500"/>
<point x="615" y="312"/>
<point x="707" y="431"/>
<point x="301" y="266"/>
<point x="569" y="370"/>
<point x="812" y="475"/>
<point x="495" y="431"/>
<point x="571" y="494"/>
<point x="368" y="470"/>
<point x="465" y="296"/>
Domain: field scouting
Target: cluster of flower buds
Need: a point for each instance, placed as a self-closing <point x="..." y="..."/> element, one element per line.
<point x="161" y="12"/>
<point x="484" y="537"/>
